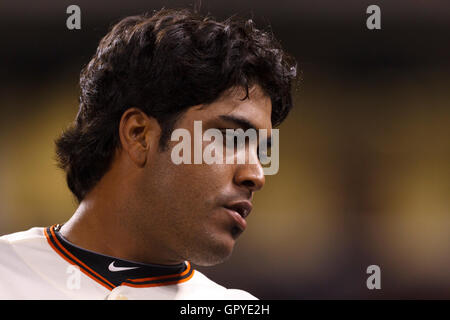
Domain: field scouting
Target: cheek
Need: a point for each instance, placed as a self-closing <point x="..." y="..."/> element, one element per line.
<point x="199" y="186"/>
<point x="201" y="181"/>
<point x="186" y="187"/>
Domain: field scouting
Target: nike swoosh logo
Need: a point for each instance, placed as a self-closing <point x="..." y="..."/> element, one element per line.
<point x="113" y="268"/>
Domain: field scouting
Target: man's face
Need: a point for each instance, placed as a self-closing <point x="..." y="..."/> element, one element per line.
<point x="196" y="208"/>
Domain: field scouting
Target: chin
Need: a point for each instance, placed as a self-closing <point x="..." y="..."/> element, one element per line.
<point x="217" y="251"/>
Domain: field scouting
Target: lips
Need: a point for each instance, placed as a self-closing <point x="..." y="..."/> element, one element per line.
<point x="243" y="208"/>
<point x="239" y="211"/>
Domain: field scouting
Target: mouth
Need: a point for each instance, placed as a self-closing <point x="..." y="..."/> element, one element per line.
<point x="239" y="211"/>
<point x="243" y="208"/>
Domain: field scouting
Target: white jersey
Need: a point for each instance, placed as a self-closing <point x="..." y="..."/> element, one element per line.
<point x="40" y="264"/>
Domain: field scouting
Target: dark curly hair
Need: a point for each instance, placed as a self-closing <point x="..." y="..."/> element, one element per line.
<point x="163" y="64"/>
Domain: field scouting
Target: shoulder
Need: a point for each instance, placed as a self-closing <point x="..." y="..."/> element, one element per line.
<point x="35" y="233"/>
<point x="213" y="290"/>
<point x="14" y="246"/>
<point x="11" y="244"/>
<point x="17" y="253"/>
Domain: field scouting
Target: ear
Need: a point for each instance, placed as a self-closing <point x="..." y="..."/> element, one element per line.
<point x="138" y="134"/>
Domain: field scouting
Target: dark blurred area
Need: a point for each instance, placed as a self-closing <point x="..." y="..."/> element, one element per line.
<point x="364" y="156"/>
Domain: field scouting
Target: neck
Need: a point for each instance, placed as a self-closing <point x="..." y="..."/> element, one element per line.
<point x="101" y="224"/>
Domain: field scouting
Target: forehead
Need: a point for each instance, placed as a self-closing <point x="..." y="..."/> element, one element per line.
<point x="256" y="109"/>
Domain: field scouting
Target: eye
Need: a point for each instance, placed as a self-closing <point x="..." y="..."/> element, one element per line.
<point x="230" y="140"/>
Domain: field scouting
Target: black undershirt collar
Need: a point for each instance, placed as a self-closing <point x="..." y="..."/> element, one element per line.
<point x="110" y="271"/>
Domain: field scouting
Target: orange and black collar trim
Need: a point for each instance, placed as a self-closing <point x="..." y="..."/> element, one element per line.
<point x="111" y="272"/>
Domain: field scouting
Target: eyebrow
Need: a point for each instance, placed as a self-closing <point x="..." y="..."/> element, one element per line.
<point x="244" y="124"/>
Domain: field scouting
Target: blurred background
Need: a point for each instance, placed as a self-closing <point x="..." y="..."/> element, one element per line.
<point x="365" y="155"/>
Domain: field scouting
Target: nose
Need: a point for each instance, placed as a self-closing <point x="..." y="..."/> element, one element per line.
<point x="250" y="176"/>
